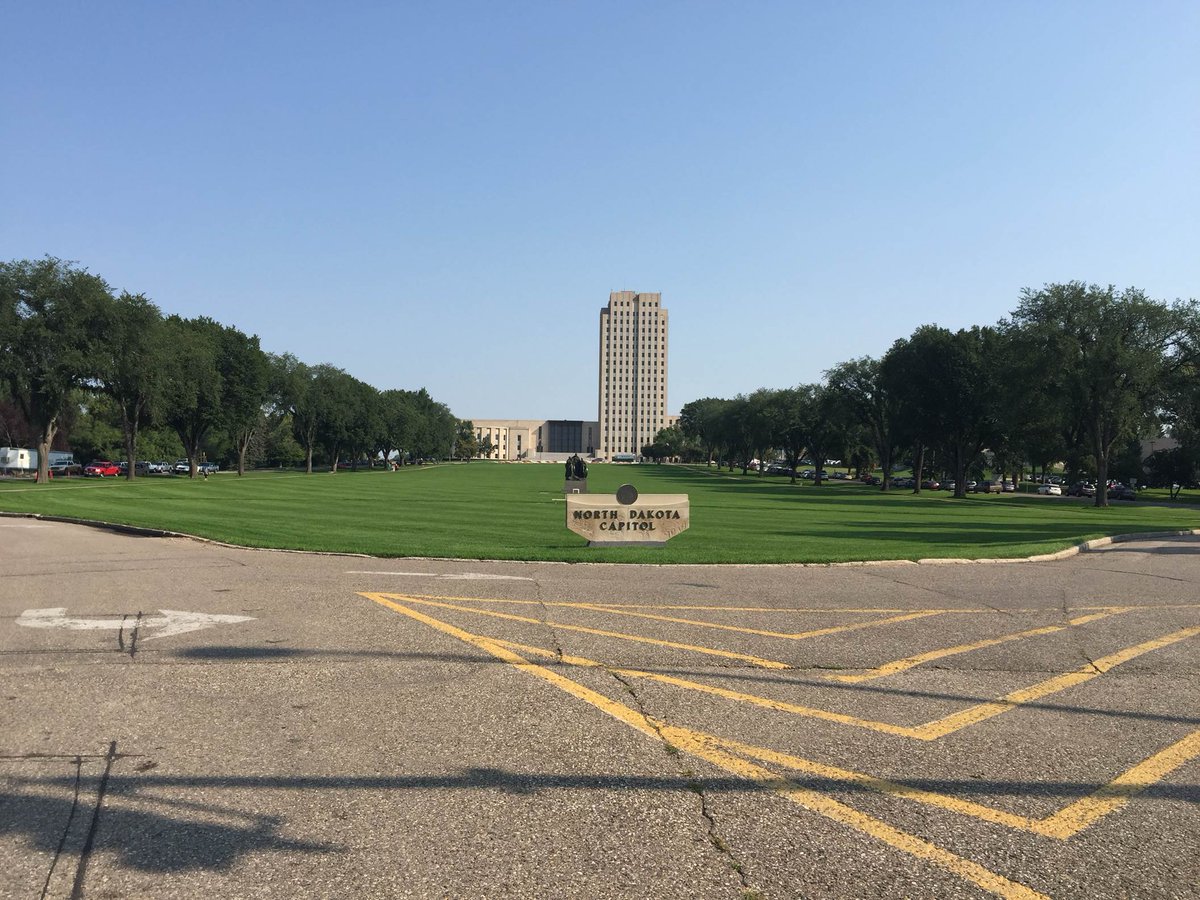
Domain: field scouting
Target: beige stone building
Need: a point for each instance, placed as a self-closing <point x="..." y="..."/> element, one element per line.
<point x="633" y="372"/>
<point x="536" y="439"/>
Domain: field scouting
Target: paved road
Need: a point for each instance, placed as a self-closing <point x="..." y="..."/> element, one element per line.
<point x="410" y="728"/>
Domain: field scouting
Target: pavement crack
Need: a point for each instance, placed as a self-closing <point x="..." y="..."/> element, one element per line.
<point x="555" y="642"/>
<point x="133" y="638"/>
<point x="748" y="892"/>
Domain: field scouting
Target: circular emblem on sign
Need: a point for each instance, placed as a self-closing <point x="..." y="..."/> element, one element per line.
<point x="627" y="494"/>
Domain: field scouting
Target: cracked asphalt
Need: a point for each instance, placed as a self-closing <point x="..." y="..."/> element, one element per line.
<point x="419" y="728"/>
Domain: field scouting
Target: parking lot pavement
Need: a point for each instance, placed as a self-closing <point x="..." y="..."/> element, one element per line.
<point x="180" y="719"/>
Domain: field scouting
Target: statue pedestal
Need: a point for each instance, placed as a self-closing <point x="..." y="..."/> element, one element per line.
<point x="578" y="486"/>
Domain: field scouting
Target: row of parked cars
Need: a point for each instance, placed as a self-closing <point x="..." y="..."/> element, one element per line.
<point x="103" y="468"/>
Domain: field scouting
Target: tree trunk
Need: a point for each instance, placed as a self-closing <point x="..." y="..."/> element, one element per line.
<point x="1101" y="453"/>
<point x="44" y="441"/>
<point x="960" y="474"/>
<point x="129" y="430"/>
<point x="919" y="469"/>
<point x="308" y="459"/>
<point x="242" y="441"/>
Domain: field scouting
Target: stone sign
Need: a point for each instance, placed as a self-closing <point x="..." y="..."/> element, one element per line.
<point x="646" y="520"/>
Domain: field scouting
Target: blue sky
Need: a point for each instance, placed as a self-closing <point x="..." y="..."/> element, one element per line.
<point x="443" y="195"/>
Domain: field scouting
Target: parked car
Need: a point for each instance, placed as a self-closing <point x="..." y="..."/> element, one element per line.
<point x="1082" y="489"/>
<point x="870" y="479"/>
<point x="159" y="468"/>
<point x="182" y="467"/>
<point x="208" y="468"/>
<point x="930" y="484"/>
<point x="1009" y="486"/>
<point x="1050" y="489"/>
<point x="988" y="487"/>
<point x="1121" y="492"/>
<point x="102" y="468"/>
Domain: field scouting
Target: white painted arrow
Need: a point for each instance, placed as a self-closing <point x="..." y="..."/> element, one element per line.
<point x="169" y="621"/>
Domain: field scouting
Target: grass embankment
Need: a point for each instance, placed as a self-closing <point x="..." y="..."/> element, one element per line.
<point x="495" y="511"/>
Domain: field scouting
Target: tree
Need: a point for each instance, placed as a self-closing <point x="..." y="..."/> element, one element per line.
<point x="193" y="384"/>
<point x="399" y="423"/>
<point x="1110" y="357"/>
<point x="131" y="364"/>
<point x="292" y="391"/>
<point x="50" y="321"/>
<point x="466" y="444"/>
<point x="245" y="378"/>
<point x="366" y="423"/>
<point x="701" y="420"/>
<point x="1174" y="469"/>
<point x="334" y="399"/>
<point x="859" y="386"/>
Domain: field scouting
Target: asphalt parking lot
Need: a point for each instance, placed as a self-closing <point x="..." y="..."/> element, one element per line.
<point x="180" y="719"/>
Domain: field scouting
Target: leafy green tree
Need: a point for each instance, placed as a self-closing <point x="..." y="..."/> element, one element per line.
<point x="701" y="421"/>
<point x="1174" y="469"/>
<point x="909" y="371"/>
<point x="131" y="364"/>
<point x="245" y="381"/>
<point x="398" y="424"/>
<point x="50" y="324"/>
<point x="366" y="423"/>
<point x="193" y="383"/>
<point x="292" y="391"/>
<point x="335" y="398"/>
<point x="1109" y="355"/>
<point x="859" y="387"/>
<point x="466" y="443"/>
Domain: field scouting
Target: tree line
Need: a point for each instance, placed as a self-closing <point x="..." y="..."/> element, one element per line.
<point x="76" y="355"/>
<point x="1078" y="374"/>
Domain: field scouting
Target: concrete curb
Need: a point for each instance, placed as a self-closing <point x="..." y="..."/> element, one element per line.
<point x="1086" y="546"/>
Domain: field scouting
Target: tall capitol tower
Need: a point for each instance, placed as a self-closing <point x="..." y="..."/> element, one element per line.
<point x="633" y="372"/>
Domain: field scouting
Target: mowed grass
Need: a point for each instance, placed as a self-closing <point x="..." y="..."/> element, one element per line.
<point x="494" y="511"/>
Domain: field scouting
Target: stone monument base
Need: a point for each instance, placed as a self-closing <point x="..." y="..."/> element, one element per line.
<point x="575" y="486"/>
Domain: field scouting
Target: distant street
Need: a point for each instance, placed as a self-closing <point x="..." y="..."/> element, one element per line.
<point x="184" y="720"/>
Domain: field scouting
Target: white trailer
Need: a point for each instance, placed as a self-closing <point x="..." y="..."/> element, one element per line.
<point x="17" y="460"/>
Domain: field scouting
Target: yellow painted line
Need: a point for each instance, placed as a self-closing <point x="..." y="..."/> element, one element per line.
<point x="1062" y="825"/>
<point x="752" y="699"/>
<point x="883" y="786"/>
<point x="694" y="743"/>
<point x="761" y="633"/>
<point x="1082" y="813"/>
<point x="697" y="607"/>
<point x="705" y="747"/>
<point x="636" y="638"/>
<point x="910" y="662"/>
<point x="976" y="714"/>
<point x="930" y="731"/>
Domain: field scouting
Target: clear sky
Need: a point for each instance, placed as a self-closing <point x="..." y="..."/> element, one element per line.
<point x="443" y="194"/>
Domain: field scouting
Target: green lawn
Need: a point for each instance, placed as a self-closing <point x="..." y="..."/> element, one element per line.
<point x="496" y="511"/>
